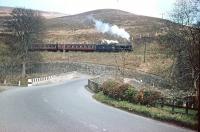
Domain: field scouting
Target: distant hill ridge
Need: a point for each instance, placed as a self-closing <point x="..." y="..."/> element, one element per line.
<point x="4" y="11"/>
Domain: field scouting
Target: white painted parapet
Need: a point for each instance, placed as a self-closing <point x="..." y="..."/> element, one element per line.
<point x="30" y="81"/>
<point x="35" y="81"/>
<point x="19" y="83"/>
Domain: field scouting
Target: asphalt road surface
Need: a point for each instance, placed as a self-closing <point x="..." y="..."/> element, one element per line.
<point x="68" y="107"/>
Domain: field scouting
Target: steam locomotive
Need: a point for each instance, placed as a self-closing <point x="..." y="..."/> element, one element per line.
<point x="112" y="47"/>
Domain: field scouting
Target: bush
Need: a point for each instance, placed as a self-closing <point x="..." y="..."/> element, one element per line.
<point x="118" y="90"/>
<point x="108" y="86"/>
<point x="148" y="97"/>
<point x="121" y="91"/>
<point x="130" y="94"/>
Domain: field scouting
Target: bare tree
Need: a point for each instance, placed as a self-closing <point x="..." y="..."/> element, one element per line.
<point x="25" y="27"/>
<point x="186" y="13"/>
<point x="4" y="61"/>
<point x="121" y="62"/>
<point x="185" y="36"/>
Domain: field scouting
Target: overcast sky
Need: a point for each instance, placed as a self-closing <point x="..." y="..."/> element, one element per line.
<point x="153" y="8"/>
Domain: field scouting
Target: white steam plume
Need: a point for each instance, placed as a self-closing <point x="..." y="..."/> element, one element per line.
<point x="112" y="29"/>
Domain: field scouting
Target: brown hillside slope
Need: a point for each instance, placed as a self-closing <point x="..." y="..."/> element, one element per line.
<point x="79" y="29"/>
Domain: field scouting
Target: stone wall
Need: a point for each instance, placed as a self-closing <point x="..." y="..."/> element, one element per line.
<point x="94" y="86"/>
<point x="96" y="69"/>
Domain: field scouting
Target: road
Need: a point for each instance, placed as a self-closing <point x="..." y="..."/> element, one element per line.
<point x="68" y="107"/>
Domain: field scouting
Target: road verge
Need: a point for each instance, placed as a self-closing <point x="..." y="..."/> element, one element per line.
<point x="152" y="112"/>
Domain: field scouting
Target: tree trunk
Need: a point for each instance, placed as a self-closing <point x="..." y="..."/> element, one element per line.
<point x="198" y="111"/>
<point x="23" y="69"/>
<point x="197" y="86"/>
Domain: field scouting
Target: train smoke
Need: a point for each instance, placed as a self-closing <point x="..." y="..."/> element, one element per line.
<point x="108" y="28"/>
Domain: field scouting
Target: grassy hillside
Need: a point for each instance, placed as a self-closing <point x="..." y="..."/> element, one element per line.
<point x="78" y="28"/>
<point x="157" y="62"/>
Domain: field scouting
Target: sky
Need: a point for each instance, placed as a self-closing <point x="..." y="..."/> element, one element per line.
<point x="154" y="8"/>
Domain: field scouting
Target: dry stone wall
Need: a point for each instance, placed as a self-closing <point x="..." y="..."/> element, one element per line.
<point x="96" y="69"/>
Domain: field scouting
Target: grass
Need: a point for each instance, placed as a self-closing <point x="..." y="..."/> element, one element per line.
<point x="14" y="79"/>
<point x="180" y="110"/>
<point x="164" y="114"/>
<point x="157" y="61"/>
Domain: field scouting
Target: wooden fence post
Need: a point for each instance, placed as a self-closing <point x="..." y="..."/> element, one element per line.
<point x="162" y="102"/>
<point x="186" y="108"/>
<point x="173" y="102"/>
<point x="4" y="82"/>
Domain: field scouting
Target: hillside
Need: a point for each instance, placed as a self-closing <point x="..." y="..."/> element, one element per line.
<point x="78" y="28"/>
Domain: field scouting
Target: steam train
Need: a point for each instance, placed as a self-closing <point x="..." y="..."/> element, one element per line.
<point x="114" y="47"/>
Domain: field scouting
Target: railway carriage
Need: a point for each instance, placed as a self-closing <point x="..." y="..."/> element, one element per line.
<point x="82" y="47"/>
<point x="76" y="47"/>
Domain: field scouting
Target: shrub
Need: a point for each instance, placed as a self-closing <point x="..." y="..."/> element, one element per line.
<point x="148" y="97"/>
<point x="121" y="91"/>
<point x="108" y="86"/>
<point x="130" y="94"/>
<point x="118" y="90"/>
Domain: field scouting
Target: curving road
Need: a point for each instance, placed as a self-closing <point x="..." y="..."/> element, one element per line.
<point x="68" y="107"/>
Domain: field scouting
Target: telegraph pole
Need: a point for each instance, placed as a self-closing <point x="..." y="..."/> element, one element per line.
<point x="145" y="47"/>
<point x="63" y="51"/>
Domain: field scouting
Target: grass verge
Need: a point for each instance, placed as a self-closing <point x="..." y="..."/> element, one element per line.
<point x="189" y="121"/>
